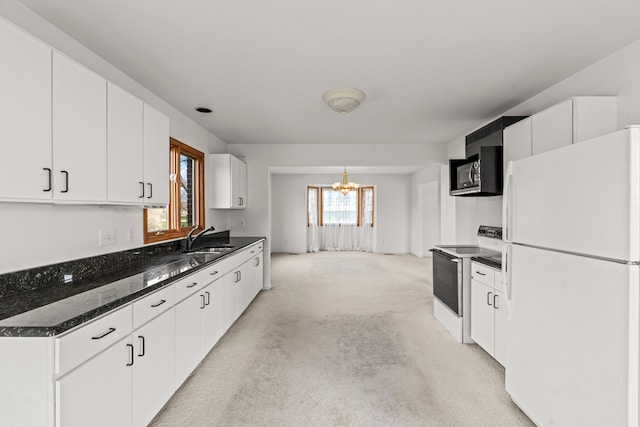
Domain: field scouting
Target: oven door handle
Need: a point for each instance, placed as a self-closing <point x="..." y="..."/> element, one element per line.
<point x="456" y="260"/>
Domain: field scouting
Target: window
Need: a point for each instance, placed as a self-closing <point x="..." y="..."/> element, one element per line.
<point x="186" y="205"/>
<point x="325" y="206"/>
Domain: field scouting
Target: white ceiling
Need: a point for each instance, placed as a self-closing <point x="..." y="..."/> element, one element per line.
<point x="432" y="70"/>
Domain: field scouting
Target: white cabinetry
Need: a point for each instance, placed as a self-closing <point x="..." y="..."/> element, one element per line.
<point x="25" y="116"/>
<point x="100" y="386"/>
<point x="572" y="121"/>
<point x="120" y="369"/>
<point x="79" y="132"/>
<point x="517" y="141"/>
<point x="228" y="184"/>
<point x="154" y="379"/>
<point x="569" y="122"/>
<point x="124" y="146"/>
<point x="156" y="157"/>
<point x="488" y="310"/>
<point x="137" y="151"/>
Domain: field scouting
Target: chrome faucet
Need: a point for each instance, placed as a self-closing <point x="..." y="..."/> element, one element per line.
<point x="192" y="240"/>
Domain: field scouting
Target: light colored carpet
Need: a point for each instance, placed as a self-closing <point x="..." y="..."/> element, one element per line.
<point x="343" y="339"/>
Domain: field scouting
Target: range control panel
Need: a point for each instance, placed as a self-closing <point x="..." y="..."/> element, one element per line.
<point x="491" y="232"/>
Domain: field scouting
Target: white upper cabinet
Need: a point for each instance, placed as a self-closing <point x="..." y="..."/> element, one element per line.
<point x="79" y="132"/>
<point x="574" y="120"/>
<point x="517" y="141"/>
<point x="228" y="185"/>
<point x="124" y="146"/>
<point x="25" y="115"/>
<point x="156" y="157"/>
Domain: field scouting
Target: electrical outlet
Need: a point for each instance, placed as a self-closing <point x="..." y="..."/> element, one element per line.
<point x="242" y="223"/>
<point x="106" y="238"/>
<point x="130" y="235"/>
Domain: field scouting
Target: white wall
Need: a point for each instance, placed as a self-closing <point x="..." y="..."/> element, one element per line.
<point x="616" y="74"/>
<point x="391" y="215"/>
<point x="36" y="235"/>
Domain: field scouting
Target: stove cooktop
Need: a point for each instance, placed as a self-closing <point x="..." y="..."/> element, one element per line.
<point x="467" y="250"/>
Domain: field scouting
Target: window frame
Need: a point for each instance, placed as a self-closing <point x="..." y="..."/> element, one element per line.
<point x="175" y="230"/>
<point x="360" y="197"/>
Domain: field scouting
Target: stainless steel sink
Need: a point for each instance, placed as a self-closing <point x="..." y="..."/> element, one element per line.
<point x="214" y="250"/>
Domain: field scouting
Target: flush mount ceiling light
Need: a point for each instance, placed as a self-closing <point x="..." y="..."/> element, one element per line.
<point x="345" y="186"/>
<point x="343" y="100"/>
<point x="204" y="110"/>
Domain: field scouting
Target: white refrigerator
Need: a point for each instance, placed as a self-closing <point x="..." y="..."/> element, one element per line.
<point x="571" y="225"/>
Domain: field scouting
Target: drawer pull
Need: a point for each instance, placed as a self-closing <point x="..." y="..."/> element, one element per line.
<point x="130" y="354"/>
<point x="202" y="302"/>
<point x="482" y="274"/>
<point x="141" y="346"/>
<point x="192" y="285"/>
<point x="489" y="297"/>
<point x="495" y="301"/>
<point x="111" y="330"/>
<point x="162" y="301"/>
<point x="208" y="300"/>
<point x="213" y="273"/>
<point x="253" y="252"/>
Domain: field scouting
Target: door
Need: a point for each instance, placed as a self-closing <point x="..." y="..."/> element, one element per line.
<point x="154" y="379"/>
<point x="482" y="315"/>
<point x="98" y="393"/>
<point x="79" y="132"/>
<point x="501" y="323"/>
<point x="156" y="157"/>
<point x="552" y="128"/>
<point x="430" y="216"/>
<point x="447" y="278"/>
<point x="124" y="146"/>
<point x="569" y="359"/>
<point x="189" y="347"/>
<point x="554" y="199"/>
<point x="25" y="115"/>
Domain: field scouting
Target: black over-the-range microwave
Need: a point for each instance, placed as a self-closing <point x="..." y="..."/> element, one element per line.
<point x="480" y="173"/>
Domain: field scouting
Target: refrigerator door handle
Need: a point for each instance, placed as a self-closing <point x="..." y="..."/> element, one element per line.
<point x="506" y="203"/>
<point x="506" y="276"/>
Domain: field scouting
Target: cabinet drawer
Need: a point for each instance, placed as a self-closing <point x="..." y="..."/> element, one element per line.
<point x="88" y="340"/>
<point x="482" y="273"/>
<point x="152" y="305"/>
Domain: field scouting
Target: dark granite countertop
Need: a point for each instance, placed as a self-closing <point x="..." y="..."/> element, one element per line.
<point x="79" y="291"/>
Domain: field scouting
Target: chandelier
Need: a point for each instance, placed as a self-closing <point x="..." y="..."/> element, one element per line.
<point x="345" y="186"/>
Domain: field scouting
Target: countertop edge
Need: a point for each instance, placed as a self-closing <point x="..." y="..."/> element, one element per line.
<point x="52" y="331"/>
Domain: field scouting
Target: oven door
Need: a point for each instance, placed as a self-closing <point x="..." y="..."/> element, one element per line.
<point x="447" y="280"/>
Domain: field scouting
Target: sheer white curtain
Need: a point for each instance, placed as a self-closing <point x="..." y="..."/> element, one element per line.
<point x="334" y="237"/>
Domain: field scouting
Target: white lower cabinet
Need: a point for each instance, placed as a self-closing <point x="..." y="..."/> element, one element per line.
<point x="488" y="310"/>
<point x="120" y="369"/>
<point x="99" y="392"/>
<point x="154" y="366"/>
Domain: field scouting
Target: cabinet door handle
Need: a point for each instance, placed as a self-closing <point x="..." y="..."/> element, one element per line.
<point x="141" y="188"/>
<point x="99" y="337"/>
<point x="213" y="273"/>
<point x="489" y="298"/>
<point x="257" y="261"/>
<point x="208" y="301"/>
<point x="202" y="304"/>
<point x="141" y="346"/>
<point x="240" y="201"/>
<point x="130" y="354"/>
<point x="66" y="181"/>
<point x="192" y="285"/>
<point x="150" y="190"/>
<point x="162" y="301"/>
<point x="496" y="299"/>
<point x="49" y="179"/>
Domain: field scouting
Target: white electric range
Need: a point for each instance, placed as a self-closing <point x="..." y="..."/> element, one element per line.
<point x="452" y="280"/>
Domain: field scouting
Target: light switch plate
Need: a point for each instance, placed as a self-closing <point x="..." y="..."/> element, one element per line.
<point x="106" y="238"/>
